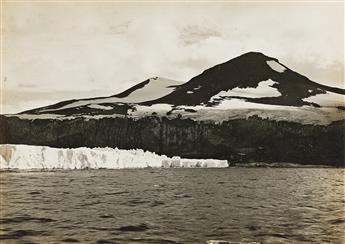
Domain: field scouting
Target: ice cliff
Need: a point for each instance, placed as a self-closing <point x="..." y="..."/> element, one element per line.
<point x="26" y="157"/>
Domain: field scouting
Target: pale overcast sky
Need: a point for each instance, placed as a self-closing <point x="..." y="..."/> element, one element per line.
<point x="59" y="51"/>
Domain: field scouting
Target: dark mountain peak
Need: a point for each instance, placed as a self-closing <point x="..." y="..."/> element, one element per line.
<point x="246" y="67"/>
<point x="247" y="71"/>
<point x="254" y="56"/>
<point x="256" y="61"/>
<point x="249" y="58"/>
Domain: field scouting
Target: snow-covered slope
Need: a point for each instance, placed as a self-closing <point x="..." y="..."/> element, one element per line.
<point x="328" y="99"/>
<point x="26" y="157"/>
<point x="148" y="90"/>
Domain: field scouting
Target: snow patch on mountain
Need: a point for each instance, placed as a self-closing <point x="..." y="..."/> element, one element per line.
<point x="235" y="103"/>
<point x="276" y="66"/>
<point x="328" y="99"/>
<point x="26" y="157"/>
<point x="156" y="88"/>
<point x="263" y="89"/>
<point x="97" y="106"/>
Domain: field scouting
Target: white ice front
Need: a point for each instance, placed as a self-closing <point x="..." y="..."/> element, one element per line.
<point x="26" y="157"/>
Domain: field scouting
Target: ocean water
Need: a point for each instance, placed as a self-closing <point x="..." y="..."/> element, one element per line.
<point x="238" y="205"/>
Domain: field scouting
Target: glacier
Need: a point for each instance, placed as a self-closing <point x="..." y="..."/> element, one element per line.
<point x="26" y="157"/>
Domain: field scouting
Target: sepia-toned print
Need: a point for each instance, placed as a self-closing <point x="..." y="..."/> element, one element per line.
<point x="210" y="122"/>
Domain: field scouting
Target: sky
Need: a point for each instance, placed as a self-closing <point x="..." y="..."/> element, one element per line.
<point x="55" y="51"/>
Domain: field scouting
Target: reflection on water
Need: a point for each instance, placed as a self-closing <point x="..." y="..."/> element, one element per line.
<point x="173" y="206"/>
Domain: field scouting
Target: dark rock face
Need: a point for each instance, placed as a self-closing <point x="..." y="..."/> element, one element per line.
<point x="239" y="141"/>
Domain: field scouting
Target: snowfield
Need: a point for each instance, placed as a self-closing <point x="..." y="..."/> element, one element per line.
<point x="329" y="99"/>
<point x="264" y="89"/>
<point x="25" y="157"/>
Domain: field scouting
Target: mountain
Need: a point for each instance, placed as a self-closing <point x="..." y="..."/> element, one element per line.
<point x="258" y="84"/>
<point x="249" y="109"/>
<point x="252" y="80"/>
<point x="253" y="76"/>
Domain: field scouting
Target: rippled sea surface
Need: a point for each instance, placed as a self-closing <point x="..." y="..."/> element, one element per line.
<point x="173" y="206"/>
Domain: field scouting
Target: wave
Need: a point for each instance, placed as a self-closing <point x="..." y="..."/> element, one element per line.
<point x="25" y="157"/>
